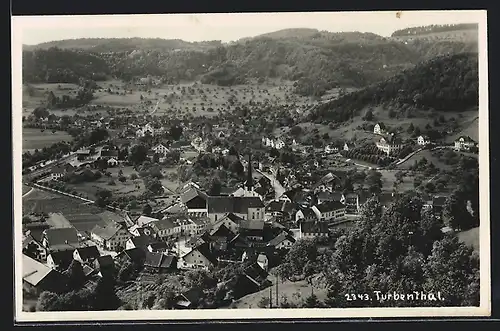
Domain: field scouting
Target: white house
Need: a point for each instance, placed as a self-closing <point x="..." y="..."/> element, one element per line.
<point x="111" y="236"/>
<point x="282" y="241"/>
<point x="313" y="229"/>
<point x="348" y="146"/>
<point x="389" y="144"/>
<point x="112" y="162"/>
<point x="464" y="143"/>
<point x="330" y="211"/>
<point x="263" y="261"/>
<point x="379" y="128"/>
<point x="279" y="144"/>
<point x="160" y="149"/>
<point x="200" y="257"/>
<point x="331" y="149"/>
<point x="423" y="140"/>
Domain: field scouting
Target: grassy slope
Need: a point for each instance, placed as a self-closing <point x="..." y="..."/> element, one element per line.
<point x="470" y="238"/>
<point x="35" y="139"/>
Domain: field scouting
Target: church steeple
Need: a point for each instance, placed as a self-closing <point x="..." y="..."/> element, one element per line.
<point x="249" y="181"/>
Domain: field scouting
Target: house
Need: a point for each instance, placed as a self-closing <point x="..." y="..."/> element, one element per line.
<point x="157" y="247"/>
<point x="349" y="146"/>
<point x="57" y="172"/>
<point x="145" y="220"/>
<point x="160" y="149"/>
<point x="195" y="201"/>
<point x="251" y="208"/>
<point x="379" y="128"/>
<point x="282" y="241"/>
<point x="279" y="144"/>
<point x="86" y="254"/>
<point x="330" y="211"/>
<point x="220" y="237"/>
<point x="306" y="214"/>
<point x="313" y="229"/>
<point x="34" y="248"/>
<point x="252" y="230"/>
<point x="390" y="144"/>
<point x="279" y="209"/>
<point x="141" y="242"/>
<point x="107" y="154"/>
<point x="423" y="140"/>
<point x="230" y="221"/>
<point x="60" y="239"/>
<point x="104" y="264"/>
<point x="263" y="261"/>
<point x="329" y="149"/>
<point x="60" y="260"/>
<point x="200" y="225"/>
<point x="464" y="143"/>
<point x="251" y="280"/>
<point x="112" y="236"/>
<point x="352" y="203"/>
<point x="189" y="299"/>
<point x="159" y="262"/>
<point x="327" y="183"/>
<point x="112" y="162"/>
<point x="200" y="256"/>
<point x="322" y="197"/>
<point x="168" y="227"/>
<point x="38" y="277"/>
<point x="134" y="255"/>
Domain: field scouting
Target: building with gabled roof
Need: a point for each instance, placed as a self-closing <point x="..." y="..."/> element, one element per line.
<point x="60" y="239"/>
<point x="38" y="277"/>
<point x="244" y="207"/>
<point x="330" y="211"/>
<point x="200" y="256"/>
<point x="159" y="262"/>
<point x="110" y="236"/>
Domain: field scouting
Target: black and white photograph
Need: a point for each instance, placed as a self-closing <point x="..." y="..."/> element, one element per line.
<point x="237" y="166"/>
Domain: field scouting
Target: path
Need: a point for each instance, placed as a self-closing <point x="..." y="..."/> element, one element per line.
<point x="278" y="188"/>
<point x="26" y="194"/>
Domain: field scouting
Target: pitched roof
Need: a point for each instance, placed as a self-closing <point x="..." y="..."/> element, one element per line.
<point x="107" y="232"/>
<point x="438" y="201"/>
<point x="144" y="220"/>
<point x="62" y="258"/>
<point x="192" y="193"/>
<point x="308" y="212"/>
<point x="280" y="238"/>
<point x="251" y="225"/>
<point x="314" y="227"/>
<point x="330" y="206"/>
<point x="33" y="271"/>
<point x="466" y="139"/>
<point x="166" y="223"/>
<point x="88" y="252"/>
<point x="142" y="241"/>
<point x="221" y="204"/>
<point x="61" y="236"/>
<point x="333" y="196"/>
<point x="204" y="249"/>
<point x="222" y="231"/>
<point x="105" y="260"/>
<point x="137" y="255"/>
<point x="281" y="206"/>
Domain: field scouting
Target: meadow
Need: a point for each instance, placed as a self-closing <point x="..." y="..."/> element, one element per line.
<point x="36" y="139"/>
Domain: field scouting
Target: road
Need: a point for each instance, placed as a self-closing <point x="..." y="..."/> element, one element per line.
<point x="278" y="188"/>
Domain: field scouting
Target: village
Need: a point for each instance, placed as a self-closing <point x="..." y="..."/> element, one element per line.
<point x="270" y="205"/>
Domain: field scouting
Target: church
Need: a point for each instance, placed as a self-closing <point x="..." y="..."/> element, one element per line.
<point x="248" y="189"/>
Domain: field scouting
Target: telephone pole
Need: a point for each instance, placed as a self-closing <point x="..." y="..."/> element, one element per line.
<point x="270" y="297"/>
<point x="277" y="294"/>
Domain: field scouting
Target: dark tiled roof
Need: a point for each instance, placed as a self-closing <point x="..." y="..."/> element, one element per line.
<point x="280" y="206"/>
<point x="106" y="232"/>
<point x="105" y="261"/>
<point x="136" y="255"/>
<point x="192" y="193"/>
<point x="438" y="201"/>
<point x="62" y="258"/>
<point x="314" y="227"/>
<point x="280" y="238"/>
<point x="330" y="206"/>
<point x="251" y="225"/>
<point x="308" y="212"/>
<point x="88" y="253"/>
<point x="222" y="204"/>
<point x="204" y="250"/>
<point x="61" y="236"/>
<point x="142" y="241"/>
<point x="222" y="231"/>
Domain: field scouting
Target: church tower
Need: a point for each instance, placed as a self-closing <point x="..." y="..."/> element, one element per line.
<point x="249" y="182"/>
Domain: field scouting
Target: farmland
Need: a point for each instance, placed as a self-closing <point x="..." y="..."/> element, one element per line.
<point x="36" y="139"/>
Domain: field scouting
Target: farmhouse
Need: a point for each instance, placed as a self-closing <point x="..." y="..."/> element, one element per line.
<point x="464" y="143"/>
<point x="60" y="260"/>
<point x="389" y="144"/>
<point x="330" y="211"/>
<point x="38" y="277"/>
<point x="251" y="208"/>
<point x="423" y="140"/>
<point x="282" y="241"/>
<point x="195" y="201"/>
<point x="60" y="239"/>
<point x="160" y="149"/>
<point x="86" y="254"/>
<point x="199" y="257"/>
<point x="33" y="247"/>
<point x="313" y="229"/>
<point x="57" y="172"/>
<point x="379" y="128"/>
<point x="111" y="237"/>
<point x="305" y="214"/>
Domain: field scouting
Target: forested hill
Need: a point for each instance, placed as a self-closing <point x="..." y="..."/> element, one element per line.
<point x="106" y="45"/>
<point x="447" y="83"/>
<point x="428" y="29"/>
<point x="317" y="60"/>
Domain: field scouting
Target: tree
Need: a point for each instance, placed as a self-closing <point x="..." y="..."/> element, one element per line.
<point x="237" y="168"/>
<point x="104" y="295"/>
<point x="312" y="302"/>
<point x="455" y="212"/>
<point x="154" y="185"/>
<point x="147" y="210"/>
<point x="138" y="154"/>
<point x="176" y="132"/>
<point x="41" y="112"/>
<point x="76" y="276"/>
<point x="369" y="115"/>
<point x="296" y="131"/>
<point x="47" y="301"/>
<point x="215" y="186"/>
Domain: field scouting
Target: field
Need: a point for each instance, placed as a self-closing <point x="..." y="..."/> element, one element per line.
<point x="171" y="99"/>
<point x="470" y="238"/>
<point x="35" y="139"/>
<point x="429" y="155"/>
<point x="389" y="178"/>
